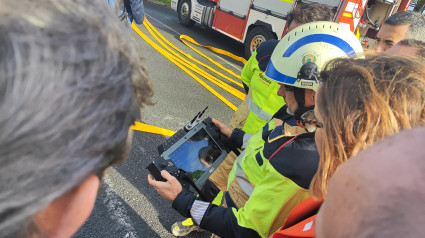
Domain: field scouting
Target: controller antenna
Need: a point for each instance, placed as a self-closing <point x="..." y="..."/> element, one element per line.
<point x="195" y="121"/>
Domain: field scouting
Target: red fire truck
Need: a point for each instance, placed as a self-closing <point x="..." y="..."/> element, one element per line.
<point x="254" y="21"/>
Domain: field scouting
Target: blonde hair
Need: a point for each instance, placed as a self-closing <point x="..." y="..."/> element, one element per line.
<point x="361" y="101"/>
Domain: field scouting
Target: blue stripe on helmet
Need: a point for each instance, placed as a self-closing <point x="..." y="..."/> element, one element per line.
<point x="330" y="39"/>
<point x="272" y="73"/>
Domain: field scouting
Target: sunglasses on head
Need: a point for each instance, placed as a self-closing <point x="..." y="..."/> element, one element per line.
<point x="310" y="122"/>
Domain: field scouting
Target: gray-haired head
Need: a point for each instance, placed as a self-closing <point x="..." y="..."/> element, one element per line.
<point x="414" y="19"/>
<point x="70" y="87"/>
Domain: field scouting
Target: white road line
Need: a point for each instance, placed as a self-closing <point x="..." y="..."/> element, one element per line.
<point x="217" y="56"/>
<point x="134" y="198"/>
<point x="178" y="33"/>
<point x="118" y="213"/>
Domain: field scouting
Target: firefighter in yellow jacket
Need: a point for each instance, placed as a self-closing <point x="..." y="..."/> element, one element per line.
<point x="273" y="173"/>
<point x="262" y="101"/>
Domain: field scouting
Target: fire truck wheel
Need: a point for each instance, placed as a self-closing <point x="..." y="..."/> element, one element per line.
<point x="183" y="11"/>
<point x="254" y="38"/>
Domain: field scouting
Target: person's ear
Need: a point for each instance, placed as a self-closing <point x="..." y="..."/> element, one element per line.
<point x="309" y="97"/>
<point x="64" y="216"/>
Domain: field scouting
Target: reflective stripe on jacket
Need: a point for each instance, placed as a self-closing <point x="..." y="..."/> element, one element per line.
<point x="283" y="165"/>
<point x="278" y="182"/>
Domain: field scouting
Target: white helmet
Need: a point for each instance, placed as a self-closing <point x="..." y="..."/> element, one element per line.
<point x="304" y="51"/>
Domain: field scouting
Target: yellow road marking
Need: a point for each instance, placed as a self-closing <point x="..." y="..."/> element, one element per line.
<point x="138" y="126"/>
<point x="184" y="37"/>
<point x="219" y="51"/>
<point x="172" y="59"/>
<point x="195" y="68"/>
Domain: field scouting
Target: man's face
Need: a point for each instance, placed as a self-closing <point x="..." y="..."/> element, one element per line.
<point x="390" y="35"/>
<point x="403" y="50"/>
<point x="289" y="98"/>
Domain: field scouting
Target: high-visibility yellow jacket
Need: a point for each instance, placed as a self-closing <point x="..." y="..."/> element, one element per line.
<point x="262" y="101"/>
<point x="273" y="174"/>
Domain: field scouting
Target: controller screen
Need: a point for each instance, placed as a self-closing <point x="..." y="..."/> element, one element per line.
<point x="196" y="154"/>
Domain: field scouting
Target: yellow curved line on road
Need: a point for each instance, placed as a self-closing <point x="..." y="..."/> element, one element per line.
<point x="217" y="50"/>
<point x="194" y="67"/>
<point x="138" y="126"/>
<point x="173" y="59"/>
<point x="185" y="37"/>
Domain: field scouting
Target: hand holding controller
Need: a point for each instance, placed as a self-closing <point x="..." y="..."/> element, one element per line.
<point x="156" y="174"/>
<point x="168" y="189"/>
<point x="223" y="129"/>
<point x="182" y="155"/>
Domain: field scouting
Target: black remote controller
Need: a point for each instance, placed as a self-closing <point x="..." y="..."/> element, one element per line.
<point x="156" y="174"/>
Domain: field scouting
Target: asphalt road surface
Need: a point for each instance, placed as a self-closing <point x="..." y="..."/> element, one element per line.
<point x="127" y="206"/>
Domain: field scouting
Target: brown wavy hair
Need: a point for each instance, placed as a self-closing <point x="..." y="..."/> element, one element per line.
<point x="361" y="101"/>
<point x="419" y="45"/>
<point x="305" y="13"/>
